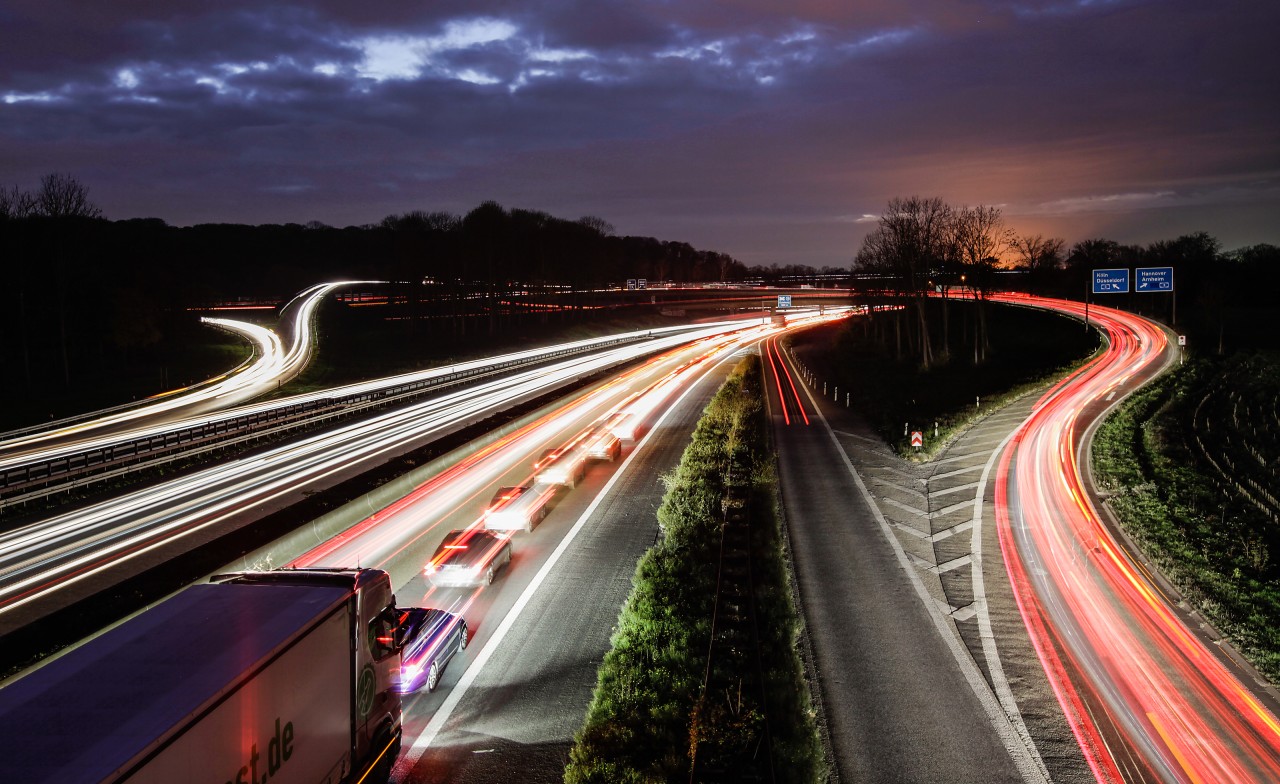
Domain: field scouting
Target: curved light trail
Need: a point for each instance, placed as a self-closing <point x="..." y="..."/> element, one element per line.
<point x="274" y="365"/>
<point x="1146" y="699"/>
<point x="43" y="558"/>
<point x="19" y="452"/>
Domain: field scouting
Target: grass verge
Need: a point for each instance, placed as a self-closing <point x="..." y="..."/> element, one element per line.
<point x="640" y="724"/>
<point x="1217" y="549"/>
<point x="1028" y="349"/>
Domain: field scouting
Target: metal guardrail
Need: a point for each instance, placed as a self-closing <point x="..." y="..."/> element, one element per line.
<point x="44" y="477"/>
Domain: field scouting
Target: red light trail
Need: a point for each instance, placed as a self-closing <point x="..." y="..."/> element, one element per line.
<point x="1124" y="667"/>
<point x="786" y="403"/>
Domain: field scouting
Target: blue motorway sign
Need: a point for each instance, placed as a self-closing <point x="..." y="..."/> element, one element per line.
<point x="784" y="300"/>
<point x="1110" y="281"/>
<point x="1153" y="279"/>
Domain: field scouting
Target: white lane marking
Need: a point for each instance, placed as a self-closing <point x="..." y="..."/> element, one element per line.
<point x="1007" y="723"/>
<point x="989" y="653"/>
<point x="410" y="759"/>
<point x="914" y="511"/>
<point x="946" y="510"/>
<point x="957" y="472"/>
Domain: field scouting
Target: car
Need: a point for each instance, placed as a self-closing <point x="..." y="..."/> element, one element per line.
<point x="624" y="426"/>
<point x="565" y="466"/>
<point x="430" y="638"/>
<point x="468" y="557"/>
<point x="604" y="444"/>
<point x="518" y="508"/>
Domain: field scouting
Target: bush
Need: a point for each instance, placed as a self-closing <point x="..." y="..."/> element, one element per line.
<point x="646" y="707"/>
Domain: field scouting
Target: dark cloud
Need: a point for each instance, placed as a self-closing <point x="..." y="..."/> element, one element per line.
<point x="766" y="130"/>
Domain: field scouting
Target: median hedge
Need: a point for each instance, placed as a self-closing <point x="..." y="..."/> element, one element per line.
<point x="638" y="725"/>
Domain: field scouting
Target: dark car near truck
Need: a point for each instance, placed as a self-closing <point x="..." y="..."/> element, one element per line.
<point x="433" y="637"/>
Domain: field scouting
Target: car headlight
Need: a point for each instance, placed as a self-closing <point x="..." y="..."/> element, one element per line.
<point x="429" y="568"/>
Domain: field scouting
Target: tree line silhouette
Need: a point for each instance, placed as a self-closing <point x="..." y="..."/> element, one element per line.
<point x="86" y="296"/>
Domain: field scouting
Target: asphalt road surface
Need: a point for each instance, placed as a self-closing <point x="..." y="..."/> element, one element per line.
<point x="508" y="711"/>
<point x="922" y="666"/>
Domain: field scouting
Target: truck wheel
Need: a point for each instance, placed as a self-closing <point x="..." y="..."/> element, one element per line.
<point x="381" y="774"/>
<point x="433" y="677"/>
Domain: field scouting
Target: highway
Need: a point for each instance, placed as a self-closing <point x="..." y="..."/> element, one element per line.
<point x="903" y="701"/>
<point x="1083" y="668"/>
<point x="57" y="560"/>
<point x="510" y="706"/>
<point x="512" y="715"/>
<point x="38" y="466"/>
<point x="1147" y="698"/>
<point x="1143" y="697"/>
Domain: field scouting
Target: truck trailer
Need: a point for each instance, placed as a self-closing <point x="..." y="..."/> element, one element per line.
<point x="252" y="678"/>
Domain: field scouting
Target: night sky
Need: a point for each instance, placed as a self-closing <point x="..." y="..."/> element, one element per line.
<point x="773" y="131"/>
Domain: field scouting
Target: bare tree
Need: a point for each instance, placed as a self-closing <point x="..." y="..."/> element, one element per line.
<point x="1094" y="254"/>
<point x="979" y="239"/>
<point x="419" y="220"/>
<point x="599" y="225"/>
<point x="1040" y="256"/>
<point x="16" y="203"/>
<point x="1038" y="253"/>
<point x="63" y="196"/>
<point x="978" y="235"/>
<point x="909" y="242"/>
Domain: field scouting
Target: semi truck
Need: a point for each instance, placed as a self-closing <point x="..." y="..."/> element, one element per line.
<point x="278" y="677"/>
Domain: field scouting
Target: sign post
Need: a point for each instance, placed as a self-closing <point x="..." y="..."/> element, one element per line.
<point x="1105" y="281"/>
<point x="1157" y="280"/>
